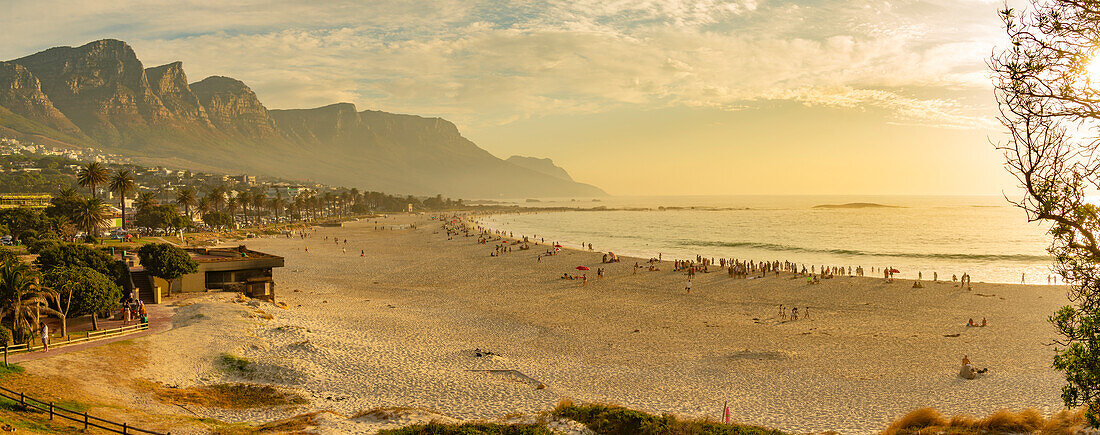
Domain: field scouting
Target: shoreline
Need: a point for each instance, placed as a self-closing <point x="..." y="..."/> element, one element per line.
<point x="399" y="327"/>
<point x="479" y="216"/>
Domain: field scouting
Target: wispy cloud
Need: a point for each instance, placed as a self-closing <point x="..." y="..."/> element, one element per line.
<point x="490" y="62"/>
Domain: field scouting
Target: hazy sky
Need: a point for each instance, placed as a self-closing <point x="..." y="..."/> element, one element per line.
<point x="635" y="96"/>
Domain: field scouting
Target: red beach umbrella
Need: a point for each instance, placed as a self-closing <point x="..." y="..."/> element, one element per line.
<point x="557" y="246"/>
<point x="895" y="271"/>
<point x="583" y="268"/>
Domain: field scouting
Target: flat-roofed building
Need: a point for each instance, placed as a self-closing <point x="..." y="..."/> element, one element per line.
<point x="236" y="269"/>
<point x="25" y="200"/>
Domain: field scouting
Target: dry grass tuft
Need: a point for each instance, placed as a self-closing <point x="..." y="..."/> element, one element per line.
<point x="228" y="396"/>
<point x="918" y="419"/>
<point x="382" y="414"/>
<point x="299" y="424"/>
<point x="928" y="420"/>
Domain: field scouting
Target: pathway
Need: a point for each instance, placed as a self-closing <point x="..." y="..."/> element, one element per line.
<point x="160" y="320"/>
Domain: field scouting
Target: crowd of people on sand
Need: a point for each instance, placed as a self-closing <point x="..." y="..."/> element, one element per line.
<point x="735" y="268"/>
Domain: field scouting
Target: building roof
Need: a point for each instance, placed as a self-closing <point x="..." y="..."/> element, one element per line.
<point x="214" y="255"/>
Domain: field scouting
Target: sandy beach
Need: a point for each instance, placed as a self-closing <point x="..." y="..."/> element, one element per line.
<point x="399" y="326"/>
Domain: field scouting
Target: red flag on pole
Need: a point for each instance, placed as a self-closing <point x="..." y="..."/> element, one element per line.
<point x="726" y="413"/>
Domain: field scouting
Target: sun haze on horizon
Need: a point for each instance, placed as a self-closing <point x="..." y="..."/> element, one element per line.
<point x="642" y="97"/>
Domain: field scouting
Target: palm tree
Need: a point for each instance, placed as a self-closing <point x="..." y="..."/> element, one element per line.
<point x="277" y="203"/>
<point x="185" y="198"/>
<point x="122" y="183"/>
<point x="67" y="193"/>
<point x="231" y="207"/>
<point x="244" y="199"/>
<point x="217" y="197"/>
<point x="22" y="300"/>
<point x="328" y="200"/>
<point x="259" y="201"/>
<point x="90" y="216"/>
<point x="145" y="201"/>
<point x="91" y="175"/>
<point x="204" y="206"/>
<point x="299" y="204"/>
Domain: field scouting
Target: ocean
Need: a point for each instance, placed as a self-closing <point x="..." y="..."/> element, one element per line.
<point x="980" y="235"/>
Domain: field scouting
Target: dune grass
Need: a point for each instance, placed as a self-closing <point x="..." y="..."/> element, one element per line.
<point x="229" y="396"/>
<point x="928" y="420"/>
<point x="469" y="429"/>
<point x="616" y="420"/>
<point x="235" y="365"/>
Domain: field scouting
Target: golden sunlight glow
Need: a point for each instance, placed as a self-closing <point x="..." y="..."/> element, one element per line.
<point x="1092" y="71"/>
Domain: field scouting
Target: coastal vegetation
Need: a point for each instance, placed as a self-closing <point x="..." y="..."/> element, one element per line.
<point x="229" y="396"/>
<point x="166" y="261"/>
<point x="235" y="365"/>
<point x="81" y="291"/>
<point x="928" y="420"/>
<point x="469" y="429"/>
<point x="23" y="300"/>
<point x="1046" y="85"/>
<point x="617" y="420"/>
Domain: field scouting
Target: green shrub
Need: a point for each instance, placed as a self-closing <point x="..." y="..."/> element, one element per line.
<point x="10" y="369"/>
<point x="5" y="336"/>
<point x="469" y="429"/>
<point x="235" y="364"/>
<point x="8" y="256"/>
<point x="40" y="245"/>
<point x="616" y="420"/>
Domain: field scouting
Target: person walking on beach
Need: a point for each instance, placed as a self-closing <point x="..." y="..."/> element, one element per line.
<point x="45" y="337"/>
<point x="689" y="286"/>
<point x="584" y="280"/>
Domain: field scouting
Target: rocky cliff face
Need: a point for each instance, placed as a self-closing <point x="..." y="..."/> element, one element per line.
<point x="100" y="86"/>
<point x="101" y="90"/>
<point x="395" y="153"/>
<point x="545" y="166"/>
<point x="169" y="84"/>
<point x="234" y="108"/>
<point x="21" y="92"/>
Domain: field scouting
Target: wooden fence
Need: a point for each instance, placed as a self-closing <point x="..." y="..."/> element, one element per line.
<point x="78" y="417"/>
<point x="75" y="339"/>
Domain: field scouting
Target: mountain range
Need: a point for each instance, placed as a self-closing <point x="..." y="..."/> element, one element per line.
<point x="100" y="95"/>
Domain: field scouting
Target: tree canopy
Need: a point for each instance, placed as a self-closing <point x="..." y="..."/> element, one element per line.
<point x="217" y="219"/>
<point x="166" y="261"/>
<point x="80" y="255"/>
<point x="1048" y="92"/>
<point x="82" y="290"/>
<point x="161" y="216"/>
